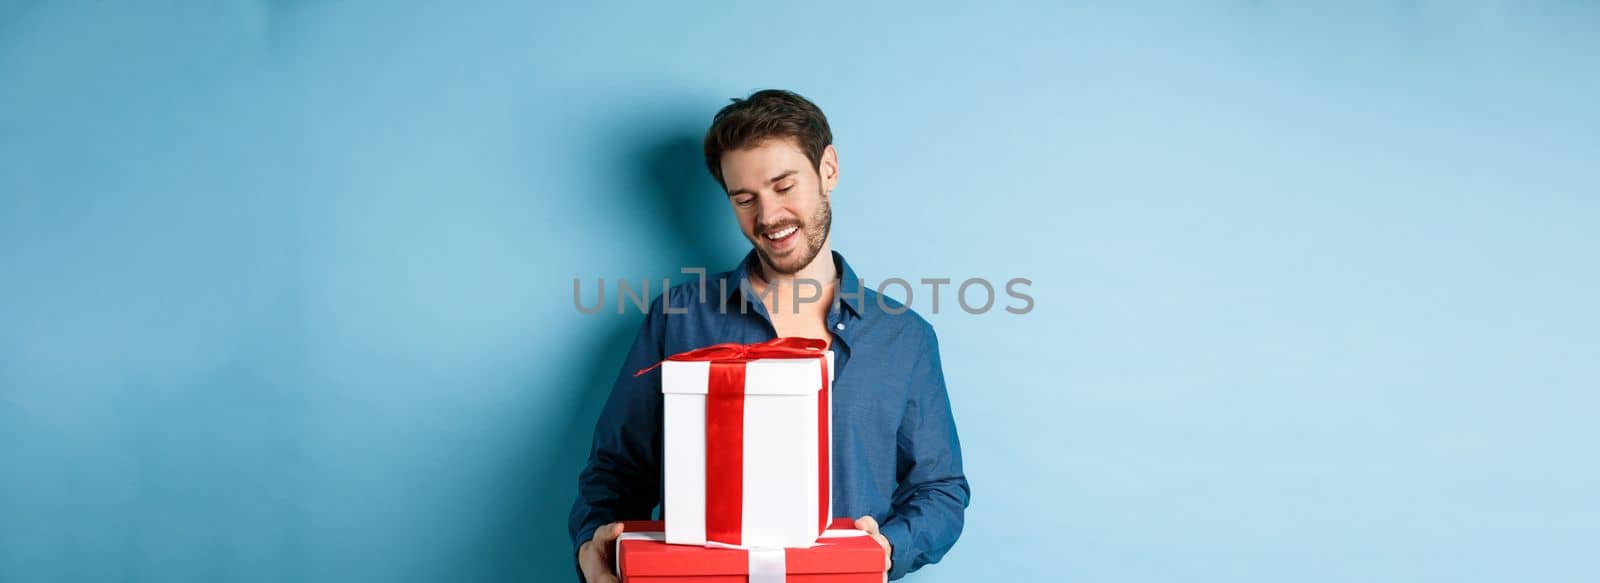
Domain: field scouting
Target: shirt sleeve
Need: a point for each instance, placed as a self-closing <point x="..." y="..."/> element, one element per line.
<point x="622" y="479"/>
<point x="930" y="502"/>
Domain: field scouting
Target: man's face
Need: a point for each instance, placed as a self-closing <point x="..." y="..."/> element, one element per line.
<point x="781" y="201"/>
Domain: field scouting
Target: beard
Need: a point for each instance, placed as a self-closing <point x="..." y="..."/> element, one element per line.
<point x="814" y="232"/>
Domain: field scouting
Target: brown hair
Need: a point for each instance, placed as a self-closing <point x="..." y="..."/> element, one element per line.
<point x="764" y="115"/>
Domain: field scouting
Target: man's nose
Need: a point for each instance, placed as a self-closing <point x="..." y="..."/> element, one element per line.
<point x="769" y="212"/>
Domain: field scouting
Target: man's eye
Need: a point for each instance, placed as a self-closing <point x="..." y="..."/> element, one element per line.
<point x="746" y="201"/>
<point x="785" y="188"/>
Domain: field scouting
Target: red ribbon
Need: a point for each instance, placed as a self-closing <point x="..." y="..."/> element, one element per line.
<point x="735" y="352"/>
<point x="725" y="427"/>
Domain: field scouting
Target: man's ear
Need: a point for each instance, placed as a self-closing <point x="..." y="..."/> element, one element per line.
<point x="828" y="168"/>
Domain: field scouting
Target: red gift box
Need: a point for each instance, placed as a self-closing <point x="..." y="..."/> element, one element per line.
<point x="835" y="558"/>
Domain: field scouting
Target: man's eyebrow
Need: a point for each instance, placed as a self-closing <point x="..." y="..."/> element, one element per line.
<point x="785" y="174"/>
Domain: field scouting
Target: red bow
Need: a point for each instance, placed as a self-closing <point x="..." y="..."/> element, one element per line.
<point x="791" y="347"/>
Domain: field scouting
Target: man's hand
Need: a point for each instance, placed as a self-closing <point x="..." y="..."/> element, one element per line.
<point x="594" y="557"/>
<point x="869" y="524"/>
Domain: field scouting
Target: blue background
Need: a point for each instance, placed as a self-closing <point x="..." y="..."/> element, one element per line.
<point x="286" y="287"/>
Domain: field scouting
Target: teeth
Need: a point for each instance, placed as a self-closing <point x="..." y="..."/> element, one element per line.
<point x="781" y="234"/>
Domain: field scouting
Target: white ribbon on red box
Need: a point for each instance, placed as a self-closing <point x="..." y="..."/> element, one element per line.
<point x="766" y="565"/>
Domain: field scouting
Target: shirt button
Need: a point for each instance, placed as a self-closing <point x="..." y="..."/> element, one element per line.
<point x="839" y="326"/>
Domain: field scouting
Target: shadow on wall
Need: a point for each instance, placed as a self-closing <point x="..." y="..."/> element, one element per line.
<point x="697" y="217"/>
<point x="695" y="228"/>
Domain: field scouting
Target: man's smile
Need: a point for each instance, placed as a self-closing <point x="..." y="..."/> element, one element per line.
<point x="782" y="238"/>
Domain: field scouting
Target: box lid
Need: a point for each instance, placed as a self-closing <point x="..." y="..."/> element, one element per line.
<point x="859" y="554"/>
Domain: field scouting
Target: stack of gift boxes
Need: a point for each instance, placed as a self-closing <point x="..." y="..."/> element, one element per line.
<point x="747" y="456"/>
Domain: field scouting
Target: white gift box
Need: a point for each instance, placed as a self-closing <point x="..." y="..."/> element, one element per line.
<point x="783" y="453"/>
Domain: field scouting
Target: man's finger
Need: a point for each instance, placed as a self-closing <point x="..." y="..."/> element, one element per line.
<point x="867" y="523"/>
<point x="608" y="533"/>
<point x="595" y="568"/>
<point x="596" y="565"/>
<point x="605" y="537"/>
<point x="870" y="525"/>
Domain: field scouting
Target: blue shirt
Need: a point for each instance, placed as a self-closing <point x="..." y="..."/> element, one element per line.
<point x="896" y="456"/>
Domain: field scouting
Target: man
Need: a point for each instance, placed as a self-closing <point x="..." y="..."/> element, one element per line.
<point x="896" y="457"/>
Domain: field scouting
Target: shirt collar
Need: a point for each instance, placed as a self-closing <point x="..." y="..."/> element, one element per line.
<point x="849" y="292"/>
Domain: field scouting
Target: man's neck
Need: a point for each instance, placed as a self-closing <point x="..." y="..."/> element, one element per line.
<point x="821" y="272"/>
